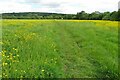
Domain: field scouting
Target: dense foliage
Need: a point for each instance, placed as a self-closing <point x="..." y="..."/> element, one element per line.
<point x="113" y="16"/>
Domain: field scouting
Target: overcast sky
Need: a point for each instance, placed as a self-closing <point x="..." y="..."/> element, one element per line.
<point x="58" y="6"/>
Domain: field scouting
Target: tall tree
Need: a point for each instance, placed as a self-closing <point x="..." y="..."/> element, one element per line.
<point x="114" y="16"/>
<point x="106" y="16"/>
<point x="82" y="15"/>
<point x="95" y="15"/>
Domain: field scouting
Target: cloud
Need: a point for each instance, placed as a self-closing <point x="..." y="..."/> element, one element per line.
<point x="60" y="6"/>
<point x="119" y="4"/>
<point x="14" y="7"/>
<point x="31" y="1"/>
<point x="51" y="5"/>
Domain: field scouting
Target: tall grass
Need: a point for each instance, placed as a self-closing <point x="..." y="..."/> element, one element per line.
<point x="59" y="49"/>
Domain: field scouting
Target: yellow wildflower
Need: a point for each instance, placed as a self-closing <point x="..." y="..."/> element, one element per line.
<point x="3" y="73"/>
<point x="7" y="56"/>
<point x="4" y="64"/>
<point x="1" y="42"/>
<point x="24" y="71"/>
<point x="15" y="49"/>
<point x="4" y="51"/>
<point x="6" y="75"/>
<point x="43" y="70"/>
<point x="3" y="54"/>
<point x="17" y="55"/>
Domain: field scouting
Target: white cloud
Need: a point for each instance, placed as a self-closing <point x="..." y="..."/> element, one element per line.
<point x="14" y="7"/>
<point x="60" y="6"/>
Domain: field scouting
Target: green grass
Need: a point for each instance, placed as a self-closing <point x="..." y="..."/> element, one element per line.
<point x="59" y="49"/>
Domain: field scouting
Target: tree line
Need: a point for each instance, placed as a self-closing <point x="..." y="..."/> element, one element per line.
<point x="113" y="16"/>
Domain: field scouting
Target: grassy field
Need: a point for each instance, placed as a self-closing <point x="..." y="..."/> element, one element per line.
<point x="59" y="49"/>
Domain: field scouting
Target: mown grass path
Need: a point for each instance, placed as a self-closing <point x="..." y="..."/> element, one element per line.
<point x="60" y="49"/>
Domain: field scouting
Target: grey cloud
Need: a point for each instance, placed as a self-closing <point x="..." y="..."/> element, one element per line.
<point x="43" y="3"/>
<point x="33" y="1"/>
<point x="52" y="5"/>
<point x="119" y="5"/>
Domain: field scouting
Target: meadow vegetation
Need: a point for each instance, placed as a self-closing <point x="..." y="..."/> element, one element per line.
<point x="59" y="49"/>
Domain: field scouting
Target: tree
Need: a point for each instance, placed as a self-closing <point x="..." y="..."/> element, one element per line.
<point x="114" y="16"/>
<point x="106" y="16"/>
<point x="95" y="15"/>
<point x="119" y="15"/>
<point x="82" y="15"/>
<point x="68" y="16"/>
